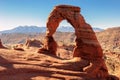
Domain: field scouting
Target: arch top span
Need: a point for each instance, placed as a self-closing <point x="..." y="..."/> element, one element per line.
<point x="67" y="12"/>
<point x="69" y="7"/>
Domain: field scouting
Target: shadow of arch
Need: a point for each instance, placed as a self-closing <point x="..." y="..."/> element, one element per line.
<point x="5" y="63"/>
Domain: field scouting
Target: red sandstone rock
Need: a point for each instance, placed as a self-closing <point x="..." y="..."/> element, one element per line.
<point x="33" y="43"/>
<point x="85" y="36"/>
<point x="1" y="45"/>
<point x="50" y="46"/>
<point x="19" y="49"/>
<point x="87" y="46"/>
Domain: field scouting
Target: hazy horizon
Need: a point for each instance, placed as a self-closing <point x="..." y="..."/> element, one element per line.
<point x="101" y="14"/>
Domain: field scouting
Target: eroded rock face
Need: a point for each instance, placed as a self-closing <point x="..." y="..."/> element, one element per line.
<point x="87" y="46"/>
<point x="33" y="43"/>
<point x="1" y="45"/>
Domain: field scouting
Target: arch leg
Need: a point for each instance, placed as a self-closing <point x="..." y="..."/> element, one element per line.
<point x="50" y="45"/>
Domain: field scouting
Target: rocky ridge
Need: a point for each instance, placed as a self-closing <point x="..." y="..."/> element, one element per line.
<point x="110" y="39"/>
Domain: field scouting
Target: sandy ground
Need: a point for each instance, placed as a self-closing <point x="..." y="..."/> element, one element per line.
<point x="29" y="65"/>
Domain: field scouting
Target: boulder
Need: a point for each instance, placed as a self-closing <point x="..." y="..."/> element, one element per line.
<point x="33" y="43"/>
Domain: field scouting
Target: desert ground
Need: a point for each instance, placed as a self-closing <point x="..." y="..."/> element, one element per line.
<point x="20" y="60"/>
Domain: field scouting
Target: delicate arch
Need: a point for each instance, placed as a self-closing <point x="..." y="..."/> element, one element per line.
<point x="85" y="36"/>
<point x="87" y="46"/>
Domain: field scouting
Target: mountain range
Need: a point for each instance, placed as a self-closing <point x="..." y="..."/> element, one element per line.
<point x="36" y="29"/>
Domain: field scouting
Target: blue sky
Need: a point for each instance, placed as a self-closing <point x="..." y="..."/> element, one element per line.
<point x="98" y="13"/>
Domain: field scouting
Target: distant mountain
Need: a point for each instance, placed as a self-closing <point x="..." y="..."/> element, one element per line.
<point x="98" y="29"/>
<point x="25" y="29"/>
<point x="65" y="29"/>
<point x="35" y="29"/>
<point x="71" y="29"/>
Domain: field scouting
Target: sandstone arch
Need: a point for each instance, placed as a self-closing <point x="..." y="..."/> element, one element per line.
<point x="85" y="36"/>
<point x="87" y="45"/>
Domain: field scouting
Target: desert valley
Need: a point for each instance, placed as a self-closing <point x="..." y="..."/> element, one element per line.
<point x="20" y="61"/>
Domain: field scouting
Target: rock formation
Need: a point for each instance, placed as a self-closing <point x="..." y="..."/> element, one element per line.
<point x="18" y="47"/>
<point x="87" y="46"/>
<point x="1" y="45"/>
<point x="33" y="43"/>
